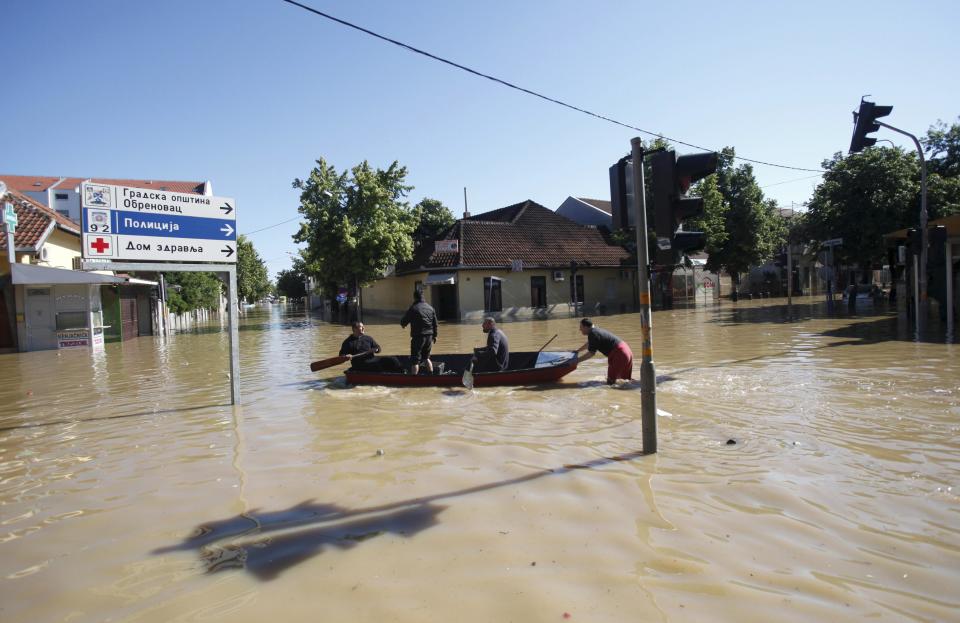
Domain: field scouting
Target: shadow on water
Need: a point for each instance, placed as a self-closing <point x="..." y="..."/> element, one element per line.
<point x="881" y="322"/>
<point x="267" y="543"/>
<point x="798" y="312"/>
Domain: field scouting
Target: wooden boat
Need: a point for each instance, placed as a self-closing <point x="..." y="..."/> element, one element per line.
<point x="526" y="368"/>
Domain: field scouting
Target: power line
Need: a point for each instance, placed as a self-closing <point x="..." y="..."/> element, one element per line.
<point x="525" y="90"/>
<point x="270" y="226"/>
<point x="799" y="179"/>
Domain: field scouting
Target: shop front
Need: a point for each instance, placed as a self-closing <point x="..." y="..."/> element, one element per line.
<point x="57" y="308"/>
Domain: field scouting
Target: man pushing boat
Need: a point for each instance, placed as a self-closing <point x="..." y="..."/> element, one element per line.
<point x="619" y="355"/>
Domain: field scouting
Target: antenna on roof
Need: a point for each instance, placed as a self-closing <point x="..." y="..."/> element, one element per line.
<point x="466" y="212"/>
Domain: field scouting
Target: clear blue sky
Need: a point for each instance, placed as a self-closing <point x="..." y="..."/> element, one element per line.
<point x="248" y="94"/>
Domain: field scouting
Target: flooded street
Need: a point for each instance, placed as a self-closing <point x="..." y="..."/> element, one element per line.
<point x="808" y="470"/>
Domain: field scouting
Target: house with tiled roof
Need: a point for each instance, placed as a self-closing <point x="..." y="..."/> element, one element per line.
<point x="62" y="194"/>
<point x="520" y="261"/>
<point x="44" y="303"/>
<point x="596" y="212"/>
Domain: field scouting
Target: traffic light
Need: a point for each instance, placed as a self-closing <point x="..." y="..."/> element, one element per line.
<point x="672" y="178"/>
<point x="865" y="122"/>
<point x="621" y="194"/>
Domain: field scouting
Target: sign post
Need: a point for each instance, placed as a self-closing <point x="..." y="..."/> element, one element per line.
<point x="10" y="226"/>
<point x="137" y="229"/>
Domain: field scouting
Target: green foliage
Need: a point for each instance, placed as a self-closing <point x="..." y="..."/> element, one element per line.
<point x="252" y="281"/>
<point x="356" y="223"/>
<point x="432" y="218"/>
<point x="743" y="229"/>
<point x="290" y="283"/>
<point x="862" y="197"/>
<point x="713" y="222"/>
<point x="942" y="145"/>
<point x="194" y="291"/>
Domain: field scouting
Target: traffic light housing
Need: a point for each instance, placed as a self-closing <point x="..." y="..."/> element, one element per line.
<point x="865" y="122"/>
<point x="621" y="194"/>
<point x="672" y="178"/>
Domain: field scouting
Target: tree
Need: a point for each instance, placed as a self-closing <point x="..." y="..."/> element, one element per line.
<point x="188" y="291"/>
<point x="356" y="223"/>
<point x="942" y="145"/>
<point x="743" y="229"/>
<point x="864" y="196"/>
<point x="292" y="283"/>
<point x="713" y="223"/>
<point x="252" y="281"/>
<point x="432" y="218"/>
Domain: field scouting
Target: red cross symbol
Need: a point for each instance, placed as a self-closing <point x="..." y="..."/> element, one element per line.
<point x="100" y="245"/>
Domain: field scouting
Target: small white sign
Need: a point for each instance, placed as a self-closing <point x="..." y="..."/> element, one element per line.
<point x="516" y="266"/>
<point x="664" y="244"/>
<point x="446" y="246"/>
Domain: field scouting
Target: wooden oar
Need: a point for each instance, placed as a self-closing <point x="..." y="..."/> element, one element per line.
<point x="467" y="379"/>
<point x="548" y="342"/>
<point x="333" y="361"/>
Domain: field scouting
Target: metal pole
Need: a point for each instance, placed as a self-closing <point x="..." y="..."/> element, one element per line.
<point x="234" y="325"/>
<point x="948" y="252"/>
<point x="922" y="302"/>
<point x="789" y="273"/>
<point x="916" y="296"/>
<point x="648" y="376"/>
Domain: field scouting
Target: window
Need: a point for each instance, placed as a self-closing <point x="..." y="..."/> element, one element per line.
<point x="576" y="289"/>
<point x="538" y="291"/>
<point x="492" y="298"/>
<point x="61" y="196"/>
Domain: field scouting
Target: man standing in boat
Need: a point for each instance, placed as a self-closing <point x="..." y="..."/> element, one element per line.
<point x="423" y="332"/>
<point x="496" y="356"/>
<point x="619" y="355"/>
<point x="359" y="348"/>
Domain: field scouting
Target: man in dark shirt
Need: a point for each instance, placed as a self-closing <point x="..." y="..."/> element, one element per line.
<point x="496" y="356"/>
<point x="423" y="332"/>
<point x="619" y="355"/>
<point x="359" y="349"/>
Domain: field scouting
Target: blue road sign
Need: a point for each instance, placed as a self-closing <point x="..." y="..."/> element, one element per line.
<point x="124" y="222"/>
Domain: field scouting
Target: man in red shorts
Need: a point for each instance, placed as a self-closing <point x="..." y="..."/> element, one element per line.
<point x="619" y="355"/>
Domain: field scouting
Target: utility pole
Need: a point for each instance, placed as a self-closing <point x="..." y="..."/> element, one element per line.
<point x="922" y="302"/>
<point x="648" y="376"/>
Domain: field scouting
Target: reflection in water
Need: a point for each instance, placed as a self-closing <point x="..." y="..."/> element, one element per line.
<point x="838" y="500"/>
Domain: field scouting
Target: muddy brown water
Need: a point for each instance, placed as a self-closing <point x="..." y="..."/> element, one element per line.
<point x="130" y="490"/>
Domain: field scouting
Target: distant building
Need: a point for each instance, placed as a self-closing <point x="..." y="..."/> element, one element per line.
<point x="516" y="262"/>
<point x="62" y="194"/>
<point x="595" y="212"/>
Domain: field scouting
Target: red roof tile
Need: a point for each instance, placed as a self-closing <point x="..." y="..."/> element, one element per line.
<point x="526" y="231"/>
<point x="33" y="219"/>
<point x="29" y="183"/>
<point x="39" y="183"/>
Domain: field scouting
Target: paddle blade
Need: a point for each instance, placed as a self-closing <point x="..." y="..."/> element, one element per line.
<point x="467" y="379"/>
<point x="326" y="363"/>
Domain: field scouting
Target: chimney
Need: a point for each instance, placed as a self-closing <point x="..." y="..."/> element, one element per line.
<point x="466" y="213"/>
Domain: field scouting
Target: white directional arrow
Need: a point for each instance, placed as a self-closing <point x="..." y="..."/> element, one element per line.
<point x="226" y="229"/>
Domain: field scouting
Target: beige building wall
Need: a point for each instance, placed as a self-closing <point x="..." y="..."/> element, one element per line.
<point x="611" y="290"/>
<point x="61" y="248"/>
<point x="606" y="290"/>
<point x="391" y="296"/>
